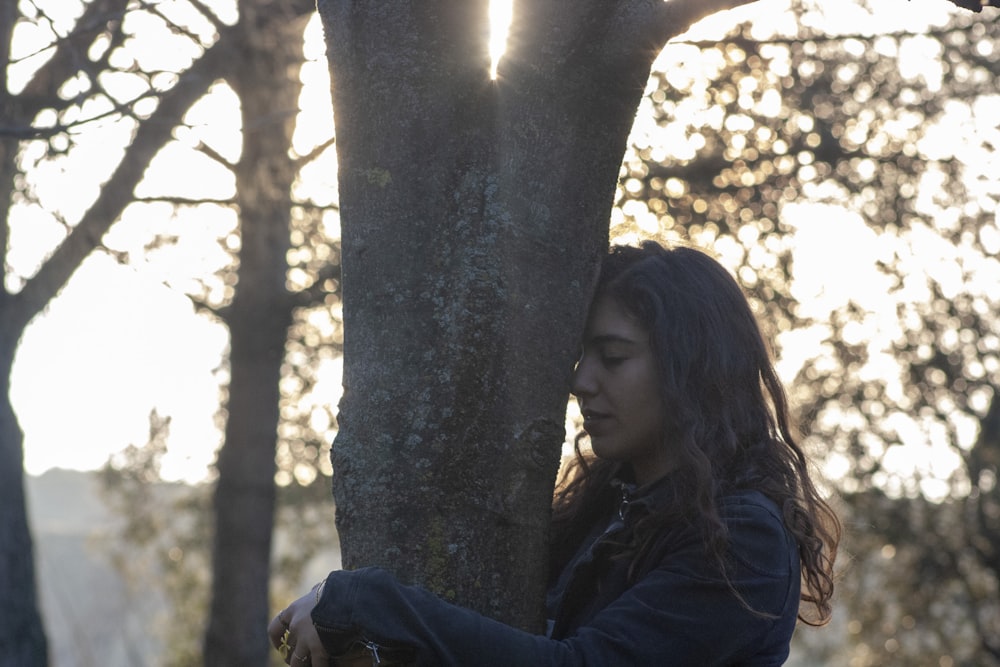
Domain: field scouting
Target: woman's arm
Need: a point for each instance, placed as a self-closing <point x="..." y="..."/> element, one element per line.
<point x="679" y="614"/>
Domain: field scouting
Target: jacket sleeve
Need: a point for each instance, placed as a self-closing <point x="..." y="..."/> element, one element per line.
<point x="679" y="614"/>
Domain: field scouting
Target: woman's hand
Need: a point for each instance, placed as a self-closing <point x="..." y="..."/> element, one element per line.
<point x="293" y="634"/>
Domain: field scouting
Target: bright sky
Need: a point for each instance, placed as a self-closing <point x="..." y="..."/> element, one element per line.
<point x="122" y="340"/>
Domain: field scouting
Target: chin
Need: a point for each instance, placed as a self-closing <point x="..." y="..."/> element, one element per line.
<point x="606" y="453"/>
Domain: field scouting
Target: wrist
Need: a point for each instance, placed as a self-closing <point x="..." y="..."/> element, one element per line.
<point x="318" y="590"/>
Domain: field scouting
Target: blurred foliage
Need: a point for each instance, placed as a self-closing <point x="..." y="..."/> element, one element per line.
<point x="162" y="544"/>
<point x="851" y="182"/>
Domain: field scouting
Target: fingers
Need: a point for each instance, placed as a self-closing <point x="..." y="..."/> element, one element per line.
<point x="277" y="630"/>
<point x="291" y="632"/>
<point x="286" y="650"/>
<point x="307" y="652"/>
<point x="312" y="652"/>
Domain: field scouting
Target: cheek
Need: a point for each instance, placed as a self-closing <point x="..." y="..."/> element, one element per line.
<point x="652" y="417"/>
<point x="652" y="406"/>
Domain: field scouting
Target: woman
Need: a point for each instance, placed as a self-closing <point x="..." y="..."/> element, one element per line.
<point x="689" y="537"/>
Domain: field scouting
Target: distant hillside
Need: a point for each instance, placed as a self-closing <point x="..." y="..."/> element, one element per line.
<point x="91" y="617"/>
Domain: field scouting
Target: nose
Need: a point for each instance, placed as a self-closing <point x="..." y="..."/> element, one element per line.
<point x="584" y="381"/>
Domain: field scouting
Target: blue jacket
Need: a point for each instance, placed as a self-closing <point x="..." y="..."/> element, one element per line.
<point x="680" y="612"/>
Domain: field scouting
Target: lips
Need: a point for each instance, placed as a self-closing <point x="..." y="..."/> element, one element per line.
<point x="593" y="420"/>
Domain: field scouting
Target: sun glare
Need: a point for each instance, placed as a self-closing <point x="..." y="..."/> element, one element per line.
<point x="501" y="12"/>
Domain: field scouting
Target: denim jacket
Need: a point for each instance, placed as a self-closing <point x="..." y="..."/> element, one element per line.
<point x="680" y="612"/>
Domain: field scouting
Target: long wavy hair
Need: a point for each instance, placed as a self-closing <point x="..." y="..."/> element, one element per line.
<point x="726" y="421"/>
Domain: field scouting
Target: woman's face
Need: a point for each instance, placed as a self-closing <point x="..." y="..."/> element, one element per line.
<point x="617" y="387"/>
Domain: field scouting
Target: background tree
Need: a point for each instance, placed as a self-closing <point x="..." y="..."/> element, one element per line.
<point x="256" y="51"/>
<point x="48" y="109"/>
<point x="263" y="72"/>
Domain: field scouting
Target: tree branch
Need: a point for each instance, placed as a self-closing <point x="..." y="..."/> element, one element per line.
<point x="153" y="8"/>
<point x="28" y="131"/>
<point x="975" y="5"/>
<point x="303" y="160"/>
<point x="317" y="291"/>
<point x="208" y="14"/>
<point x="215" y="155"/>
<point x="669" y="19"/>
<point x="71" y="50"/>
<point x="117" y="192"/>
<point x="203" y="307"/>
<point x="184" y="201"/>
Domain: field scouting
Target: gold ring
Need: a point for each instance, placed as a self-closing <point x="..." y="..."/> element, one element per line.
<point x="285" y="648"/>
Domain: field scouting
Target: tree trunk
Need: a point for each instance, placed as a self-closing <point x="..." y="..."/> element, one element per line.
<point x="22" y="635"/>
<point x="266" y="81"/>
<point x="474" y="215"/>
<point x="22" y="638"/>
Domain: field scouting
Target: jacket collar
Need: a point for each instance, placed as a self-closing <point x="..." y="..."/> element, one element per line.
<point x="633" y="497"/>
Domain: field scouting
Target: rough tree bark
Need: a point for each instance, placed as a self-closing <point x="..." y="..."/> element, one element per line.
<point x="474" y="213"/>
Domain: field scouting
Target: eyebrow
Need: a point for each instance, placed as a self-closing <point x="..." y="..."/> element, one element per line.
<point x="610" y="338"/>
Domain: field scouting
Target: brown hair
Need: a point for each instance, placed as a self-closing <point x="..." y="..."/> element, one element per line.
<point x="727" y="420"/>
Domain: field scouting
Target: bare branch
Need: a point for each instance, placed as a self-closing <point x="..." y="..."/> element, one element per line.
<point x="215" y="155"/>
<point x="125" y="109"/>
<point x="317" y="291"/>
<point x="208" y="14"/>
<point x="200" y="304"/>
<point x="976" y="5"/>
<point x="314" y="153"/>
<point x="8" y="18"/>
<point x="311" y="206"/>
<point x="71" y="52"/>
<point x="183" y="201"/>
<point x="666" y="20"/>
<point x="154" y="9"/>
<point x="117" y="192"/>
<point x="204" y="307"/>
